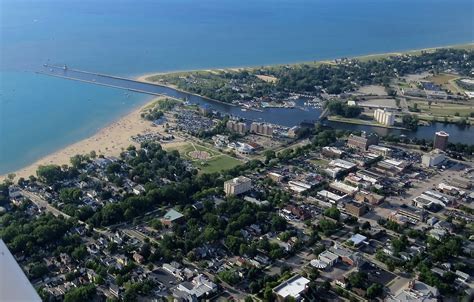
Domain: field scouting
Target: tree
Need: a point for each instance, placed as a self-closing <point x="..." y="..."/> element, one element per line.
<point x="374" y="290"/>
<point x="49" y="174"/>
<point x="332" y="212"/>
<point x="70" y="195"/>
<point x="410" y="121"/>
<point x="80" y="294"/>
<point x="79" y="252"/>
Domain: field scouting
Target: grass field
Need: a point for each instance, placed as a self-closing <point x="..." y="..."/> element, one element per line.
<point x="446" y="81"/>
<point x="216" y="162"/>
<point x="443" y="109"/>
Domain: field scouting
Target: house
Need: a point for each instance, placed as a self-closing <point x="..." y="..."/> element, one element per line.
<point x="171" y="217"/>
<point x="121" y="260"/>
<point x="357" y="239"/>
<point x="291" y="288"/>
<point x="138" y="258"/>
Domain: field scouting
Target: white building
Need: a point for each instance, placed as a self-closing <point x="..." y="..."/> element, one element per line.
<point x="298" y="186"/>
<point x="433" y="158"/>
<point x="292" y="288"/>
<point x="384" y="117"/>
<point x="380" y="150"/>
<point x="237" y="185"/>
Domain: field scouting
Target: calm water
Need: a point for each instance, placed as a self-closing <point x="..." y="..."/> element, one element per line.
<point x="40" y="114"/>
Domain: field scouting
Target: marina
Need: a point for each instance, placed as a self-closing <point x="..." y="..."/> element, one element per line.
<point x="299" y="113"/>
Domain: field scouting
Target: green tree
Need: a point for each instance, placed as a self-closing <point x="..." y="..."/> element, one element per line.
<point x="80" y="294"/>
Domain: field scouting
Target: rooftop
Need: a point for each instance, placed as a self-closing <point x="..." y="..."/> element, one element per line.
<point x="292" y="287"/>
<point x="173" y="215"/>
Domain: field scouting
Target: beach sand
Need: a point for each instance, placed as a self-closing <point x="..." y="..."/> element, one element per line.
<point x="109" y="141"/>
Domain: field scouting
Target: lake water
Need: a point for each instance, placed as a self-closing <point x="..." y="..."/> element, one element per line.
<point x="40" y="114"/>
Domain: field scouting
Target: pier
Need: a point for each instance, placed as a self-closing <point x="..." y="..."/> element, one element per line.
<point x="111" y="81"/>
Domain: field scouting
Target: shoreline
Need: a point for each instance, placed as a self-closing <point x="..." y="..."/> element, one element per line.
<point x="144" y="77"/>
<point x="108" y="141"/>
<point x="116" y="135"/>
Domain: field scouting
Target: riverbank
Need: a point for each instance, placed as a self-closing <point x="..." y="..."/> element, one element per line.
<point x="111" y="139"/>
<point x="108" y="141"/>
<point x="355" y="121"/>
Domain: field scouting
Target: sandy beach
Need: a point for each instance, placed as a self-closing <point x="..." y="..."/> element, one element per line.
<point x="110" y="140"/>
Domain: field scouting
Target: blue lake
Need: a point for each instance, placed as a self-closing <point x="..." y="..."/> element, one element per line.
<point x="40" y="114"/>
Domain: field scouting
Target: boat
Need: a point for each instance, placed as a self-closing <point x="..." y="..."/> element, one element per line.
<point x="243" y="109"/>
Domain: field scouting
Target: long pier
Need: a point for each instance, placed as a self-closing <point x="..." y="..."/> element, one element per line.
<point x="120" y="83"/>
<point x="110" y="81"/>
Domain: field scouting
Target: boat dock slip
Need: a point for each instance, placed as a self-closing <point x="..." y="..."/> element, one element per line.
<point x="111" y="81"/>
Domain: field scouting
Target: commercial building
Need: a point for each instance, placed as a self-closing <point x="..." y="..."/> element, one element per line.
<point x="291" y="288"/>
<point x="362" y="142"/>
<point x="407" y="214"/>
<point x="461" y="183"/>
<point x="14" y="285"/>
<point x="433" y="158"/>
<point x="369" y="197"/>
<point x="261" y="128"/>
<point x="332" y="152"/>
<point x="237" y="185"/>
<point x="172" y="217"/>
<point x="391" y="167"/>
<point x="356" y="209"/>
<point x="331" y="197"/>
<point x="368" y="176"/>
<point x="344" y="188"/>
<point x="275" y="176"/>
<point x="380" y="150"/>
<point x="236" y="126"/>
<point x="298" y="186"/>
<point x="198" y="289"/>
<point x="384" y="117"/>
<point x="430" y="198"/>
<point x="328" y="257"/>
<point x="416" y="291"/>
<point x="441" y="140"/>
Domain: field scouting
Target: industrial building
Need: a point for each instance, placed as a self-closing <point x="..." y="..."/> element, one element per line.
<point x="433" y="158"/>
<point x="384" y="117"/>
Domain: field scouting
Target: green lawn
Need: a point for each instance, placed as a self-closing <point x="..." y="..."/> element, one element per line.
<point x="217" y="162"/>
